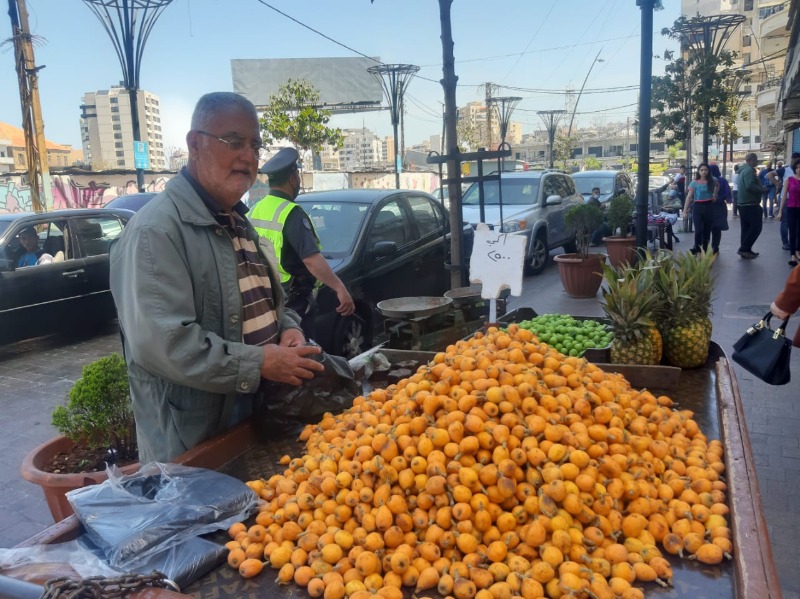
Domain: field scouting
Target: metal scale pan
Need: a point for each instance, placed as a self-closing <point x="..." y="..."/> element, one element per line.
<point x="414" y="307"/>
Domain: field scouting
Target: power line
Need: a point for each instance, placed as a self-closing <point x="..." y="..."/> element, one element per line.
<point x="553" y="49"/>
<point x="541" y="24"/>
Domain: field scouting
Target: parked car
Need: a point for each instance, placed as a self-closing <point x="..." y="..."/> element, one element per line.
<point x="132" y="201"/>
<point x="73" y="288"/>
<point x="611" y="183"/>
<point x="533" y="204"/>
<point x="383" y="244"/>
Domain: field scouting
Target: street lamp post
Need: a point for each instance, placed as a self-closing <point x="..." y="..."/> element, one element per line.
<point x="394" y="79"/>
<point x="703" y="38"/>
<point x="550" y="119"/>
<point x="505" y="107"/>
<point x="578" y="99"/>
<point x="129" y="27"/>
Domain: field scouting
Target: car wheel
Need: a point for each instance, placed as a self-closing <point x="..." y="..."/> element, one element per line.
<point x="571" y="247"/>
<point x="352" y="337"/>
<point x="540" y="253"/>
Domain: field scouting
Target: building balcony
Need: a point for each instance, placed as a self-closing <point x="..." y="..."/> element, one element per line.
<point x="6" y="160"/>
<point x="767" y="94"/>
<point x="771" y="22"/>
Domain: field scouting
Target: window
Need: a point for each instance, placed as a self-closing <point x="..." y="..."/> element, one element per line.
<point x="550" y="187"/>
<point x="113" y="99"/>
<point x="426" y="215"/>
<point x="120" y="154"/>
<point x="117" y="144"/>
<point x="94" y="235"/>
<point x="117" y="127"/>
<point x="757" y="139"/>
<point x="746" y="58"/>
<point x="118" y="136"/>
<point x="748" y="5"/>
<point x="746" y="41"/>
<point x="746" y="139"/>
<point x="388" y="226"/>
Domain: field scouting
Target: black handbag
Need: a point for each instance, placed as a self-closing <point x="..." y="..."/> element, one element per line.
<point x="765" y="352"/>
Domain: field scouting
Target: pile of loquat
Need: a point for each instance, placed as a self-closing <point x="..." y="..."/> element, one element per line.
<point x="502" y="469"/>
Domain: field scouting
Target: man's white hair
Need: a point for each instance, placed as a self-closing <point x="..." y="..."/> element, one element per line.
<point x="209" y="105"/>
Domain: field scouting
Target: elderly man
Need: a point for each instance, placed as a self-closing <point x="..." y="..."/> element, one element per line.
<point x="201" y="309"/>
<point x="749" y="201"/>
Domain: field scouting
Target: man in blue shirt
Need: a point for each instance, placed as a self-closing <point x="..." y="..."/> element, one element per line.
<point x="29" y="241"/>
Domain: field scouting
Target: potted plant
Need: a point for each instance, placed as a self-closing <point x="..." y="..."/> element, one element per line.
<point x="581" y="273"/>
<point x="619" y="245"/>
<point x="96" y="425"/>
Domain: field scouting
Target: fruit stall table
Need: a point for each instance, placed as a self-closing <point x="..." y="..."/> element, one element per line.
<point x="711" y="392"/>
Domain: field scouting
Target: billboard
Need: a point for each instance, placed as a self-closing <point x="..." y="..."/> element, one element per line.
<point x="343" y="83"/>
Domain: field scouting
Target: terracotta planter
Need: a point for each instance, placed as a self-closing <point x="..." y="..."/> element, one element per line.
<point x="55" y="486"/>
<point x="620" y="249"/>
<point x="581" y="277"/>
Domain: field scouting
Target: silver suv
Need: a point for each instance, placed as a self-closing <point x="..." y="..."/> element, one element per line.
<point x="533" y="204"/>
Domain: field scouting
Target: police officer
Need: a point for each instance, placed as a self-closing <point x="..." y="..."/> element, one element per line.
<point x="297" y="248"/>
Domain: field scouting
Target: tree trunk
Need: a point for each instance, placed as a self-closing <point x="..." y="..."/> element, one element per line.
<point x="458" y="274"/>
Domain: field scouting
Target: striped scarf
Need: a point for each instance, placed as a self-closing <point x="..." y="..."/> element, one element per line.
<point x="260" y="320"/>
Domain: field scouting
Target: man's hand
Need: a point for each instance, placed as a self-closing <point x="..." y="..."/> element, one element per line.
<point x="289" y="364"/>
<point x="346" y="305"/>
<point x="292" y="338"/>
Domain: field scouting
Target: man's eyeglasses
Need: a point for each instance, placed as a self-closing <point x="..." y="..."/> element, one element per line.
<point x="236" y="144"/>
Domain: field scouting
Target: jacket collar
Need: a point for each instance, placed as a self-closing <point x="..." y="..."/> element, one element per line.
<point x="192" y="206"/>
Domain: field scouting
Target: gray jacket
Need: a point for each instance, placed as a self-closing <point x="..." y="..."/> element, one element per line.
<point x="173" y="278"/>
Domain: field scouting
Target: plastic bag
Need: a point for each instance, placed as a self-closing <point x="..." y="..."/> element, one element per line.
<point x="130" y="518"/>
<point x="39" y="563"/>
<point x="332" y="390"/>
<point x="183" y="563"/>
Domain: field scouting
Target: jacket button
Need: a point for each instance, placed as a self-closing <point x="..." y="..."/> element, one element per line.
<point x="244" y="385"/>
<point x="234" y="318"/>
<point x="218" y="231"/>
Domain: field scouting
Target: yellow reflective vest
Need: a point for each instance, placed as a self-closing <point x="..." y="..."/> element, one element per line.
<point x="268" y="218"/>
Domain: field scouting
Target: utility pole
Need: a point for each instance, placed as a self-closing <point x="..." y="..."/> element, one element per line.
<point x="32" y="124"/>
<point x="488" y="88"/>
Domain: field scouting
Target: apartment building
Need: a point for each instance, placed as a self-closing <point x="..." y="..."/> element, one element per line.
<point x="761" y="44"/>
<point x="13" y="157"/>
<point x="107" y="128"/>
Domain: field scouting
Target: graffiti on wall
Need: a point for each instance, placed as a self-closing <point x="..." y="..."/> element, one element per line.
<point x="75" y="191"/>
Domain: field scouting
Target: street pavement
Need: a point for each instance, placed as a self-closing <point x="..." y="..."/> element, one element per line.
<point x="36" y="375"/>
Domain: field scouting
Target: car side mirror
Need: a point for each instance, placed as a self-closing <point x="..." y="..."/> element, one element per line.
<point x="553" y="200"/>
<point x="384" y="248"/>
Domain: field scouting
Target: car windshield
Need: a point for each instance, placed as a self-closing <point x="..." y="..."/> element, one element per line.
<point x="586" y="184"/>
<point x="337" y="224"/>
<point x="516" y="192"/>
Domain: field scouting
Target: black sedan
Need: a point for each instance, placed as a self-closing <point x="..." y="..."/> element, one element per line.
<point x="382" y="244"/>
<point x="54" y="270"/>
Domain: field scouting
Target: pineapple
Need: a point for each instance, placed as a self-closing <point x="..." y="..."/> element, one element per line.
<point x="631" y="302"/>
<point x="686" y="286"/>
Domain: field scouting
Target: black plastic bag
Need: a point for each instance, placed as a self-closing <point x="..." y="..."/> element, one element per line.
<point x="130" y="518"/>
<point x="287" y="406"/>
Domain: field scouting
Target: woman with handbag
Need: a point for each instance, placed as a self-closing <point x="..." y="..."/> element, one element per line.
<point x="788" y="301"/>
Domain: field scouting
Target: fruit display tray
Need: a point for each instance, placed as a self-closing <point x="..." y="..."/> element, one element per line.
<point x="711" y="392"/>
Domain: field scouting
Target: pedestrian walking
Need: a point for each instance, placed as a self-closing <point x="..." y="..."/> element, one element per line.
<point x="784" y="222"/>
<point x="766" y="177"/>
<point x="700" y="195"/>
<point x="749" y="200"/>
<point x="789" y="212"/>
<point x="735" y="191"/>
<point x="719" y="208"/>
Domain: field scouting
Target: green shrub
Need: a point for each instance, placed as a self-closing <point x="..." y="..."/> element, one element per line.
<point x="98" y="411"/>
<point x="620" y="213"/>
<point x="583" y="219"/>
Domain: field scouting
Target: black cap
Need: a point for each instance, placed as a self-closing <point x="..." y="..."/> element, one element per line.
<point x="285" y="159"/>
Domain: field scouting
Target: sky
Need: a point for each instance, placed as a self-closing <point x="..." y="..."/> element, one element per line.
<point x="535" y="49"/>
